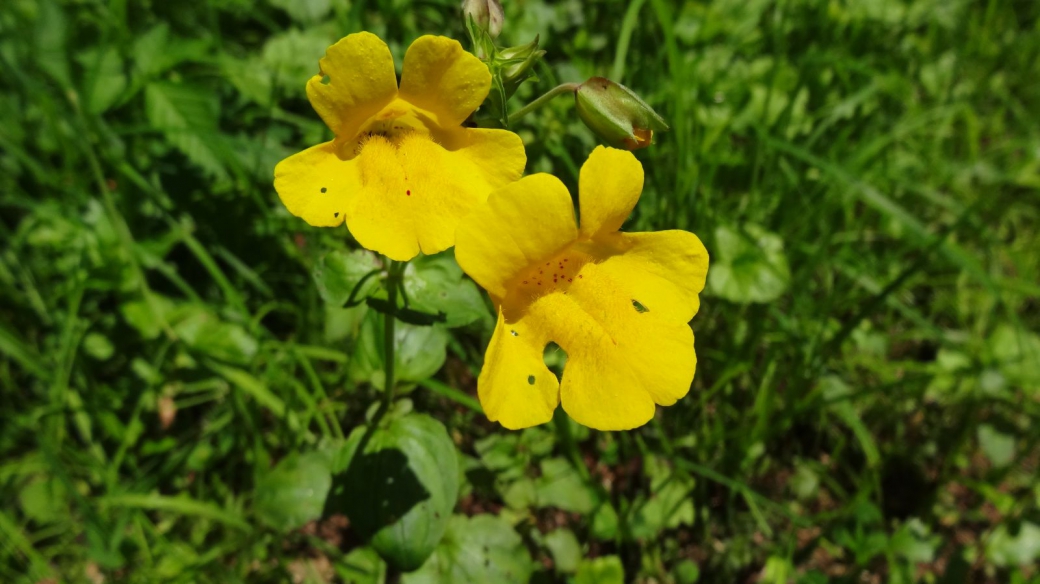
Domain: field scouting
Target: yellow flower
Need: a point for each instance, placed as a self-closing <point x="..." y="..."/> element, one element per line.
<point x="402" y="171"/>
<point x="618" y="303"/>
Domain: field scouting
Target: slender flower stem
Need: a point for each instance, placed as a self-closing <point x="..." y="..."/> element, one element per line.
<point x="389" y="319"/>
<point x="563" y="88"/>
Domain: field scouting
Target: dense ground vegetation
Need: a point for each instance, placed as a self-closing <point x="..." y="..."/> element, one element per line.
<point x="865" y="174"/>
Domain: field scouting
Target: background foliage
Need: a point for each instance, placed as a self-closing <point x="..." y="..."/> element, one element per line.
<point x="865" y="173"/>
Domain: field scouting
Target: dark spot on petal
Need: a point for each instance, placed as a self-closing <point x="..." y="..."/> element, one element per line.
<point x="530" y="380"/>
<point x="514" y="333"/>
<point x="409" y="193"/>
<point x="323" y="189"/>
<point x="325" y="79"/>
<point x="335" y="214"/>
<point x="639" y="307"/>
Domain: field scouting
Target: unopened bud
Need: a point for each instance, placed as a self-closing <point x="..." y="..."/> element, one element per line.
<point x="616" y="114"/>
<point x="518" y="64"/>
<point x="486" y="14"/>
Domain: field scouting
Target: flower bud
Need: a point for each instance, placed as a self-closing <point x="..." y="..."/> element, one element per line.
<point x="517" y="64"/>
<point x="616" y="114"/>
<point x="486" y="14"/>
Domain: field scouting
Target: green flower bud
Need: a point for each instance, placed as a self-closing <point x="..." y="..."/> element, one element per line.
<point x="517" y="64"/>
<point x="616" y="114"/>
<point x="486" y="14"/>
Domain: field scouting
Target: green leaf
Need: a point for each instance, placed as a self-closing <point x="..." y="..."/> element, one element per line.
<point x="1014" y="547"/>
<point x="605" y="522"/>
<point x="98" y="346"/>
<point x="305" y="11"/>
<point x="44" y="499"/>
<point x="203" y="331"/>
<point x="560" y="486"/>
<point x="669" y="504"/>
<point x="187" y="116"/>
<point x="483" y="548"/>
<point x="602" y="570"/>
<point x="565" y="550"/>
<point x="294" y="491"/>
<point x="749" y="265"/>
<point x="362" y="566"/>
<point x="105" y="79"/>
<point x="435" y="284"/>
<point x="342" y="275"/>
<point x="998" y="446"/>
<point x="420" y="351"/>
<point x="1017" y="352"/>
<point x="400" y="489"/>
<point x="687" y="572"/>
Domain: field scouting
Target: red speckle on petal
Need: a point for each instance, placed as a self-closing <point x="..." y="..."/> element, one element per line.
<point x="408" y="192"/>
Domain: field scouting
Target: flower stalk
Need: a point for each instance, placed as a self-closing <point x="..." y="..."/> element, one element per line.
<point x="541" y="101"/>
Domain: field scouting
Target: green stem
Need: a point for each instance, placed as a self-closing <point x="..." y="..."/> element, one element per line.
<point x="389" y="319"/>
<point x="562" y="88"/>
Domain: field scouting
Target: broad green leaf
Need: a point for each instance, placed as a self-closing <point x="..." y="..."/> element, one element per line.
<point x="749" y="265"/>
<point x="362" y="566"/>
<point x="294" y="491"/>
<point x="565" y="550"/>
<point x="420" y="351"/>
<point x="44" y="499"/>
<point x="560" y="486"/>
<point x="340" y="273"/>
<point x="602" y="570"/>
<point x="435" y="284"/>
<point x="1014" y="546"/>
<point x="400" y="489"/>
<point x="605" y="522"/>
<point x="998" y="446"/>
<point x="1017" y="352"/>
<point x="687" y="572"/>
<point x="480" y="549"/>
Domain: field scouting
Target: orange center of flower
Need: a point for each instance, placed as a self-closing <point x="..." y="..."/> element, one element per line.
<point x="555" y="275"/>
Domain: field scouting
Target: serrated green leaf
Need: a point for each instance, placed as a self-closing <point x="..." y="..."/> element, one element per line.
<point x="187" y="116"/>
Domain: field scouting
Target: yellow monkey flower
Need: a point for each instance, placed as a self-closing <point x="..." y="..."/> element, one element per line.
<point x="618" y="303"/>
<point x="401" y="171"/>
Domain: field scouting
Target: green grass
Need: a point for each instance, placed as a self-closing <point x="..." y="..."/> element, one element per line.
<point x="868" y="172"/>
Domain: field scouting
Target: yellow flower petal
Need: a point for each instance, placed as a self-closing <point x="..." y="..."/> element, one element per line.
<point x="619" y="304"/>
<point x="609" y="185"/>
<point x="361" y="82"/>
<point x="440" y="77"/>
<point x="522" y="224"/>
<point x="665" y="270"/>
<point x="515" y="387"/>
<point x="415" y="192"/>
<point x="316" y="186"/>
